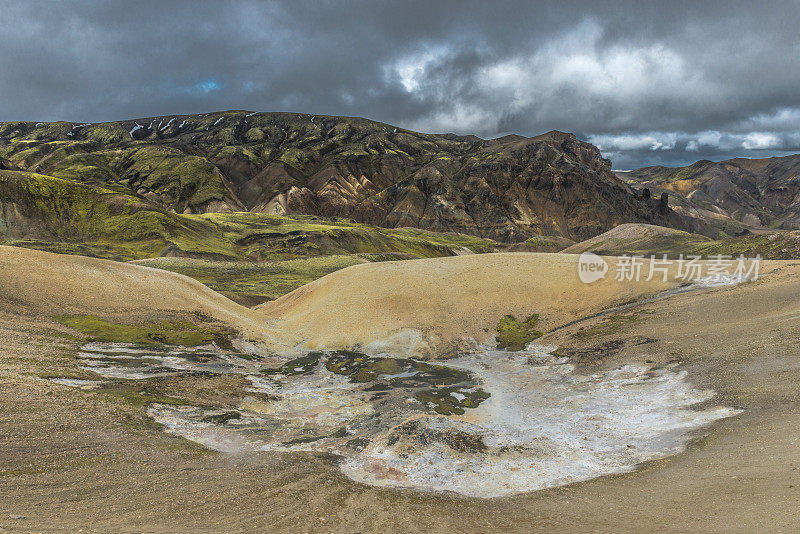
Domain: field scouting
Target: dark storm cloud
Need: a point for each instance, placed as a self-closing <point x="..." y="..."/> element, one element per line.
<point x="667" y="82"/>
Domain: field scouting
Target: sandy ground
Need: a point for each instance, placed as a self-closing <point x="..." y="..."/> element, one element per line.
<point x="81" y="459"/>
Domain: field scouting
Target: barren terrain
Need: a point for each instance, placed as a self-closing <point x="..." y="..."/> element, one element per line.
<point x="72" y="458"/>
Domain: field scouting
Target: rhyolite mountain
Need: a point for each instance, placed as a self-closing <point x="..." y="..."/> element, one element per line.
<point x="507" y="189"/>
<point x="737" y="194"/>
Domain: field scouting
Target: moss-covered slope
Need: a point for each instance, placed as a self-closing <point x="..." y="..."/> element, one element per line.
<point x="65" y="216"/>
<point x="508" y="189"/>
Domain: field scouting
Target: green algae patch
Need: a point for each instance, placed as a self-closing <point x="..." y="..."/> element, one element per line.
<point x="515" y="335"/>
<point x="303" y="440"/>
<point x="182" y="333"/>
<point x="298" y="366"/>
<point x="416" y="431"/>
<point x="445" y="390"/>
<point x="361" y="368"/>
<point x="449" y="401"/>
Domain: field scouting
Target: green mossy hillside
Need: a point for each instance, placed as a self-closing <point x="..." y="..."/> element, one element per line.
<point x="186" y="162"/>
<point x="249" y="257"/>
<point x="65" y="216"/>
<point x="368" y="171"/>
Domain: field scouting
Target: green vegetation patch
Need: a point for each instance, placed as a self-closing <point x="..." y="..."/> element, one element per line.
<point x="452" y="400"/>
<point x="167" y="332"/>
<point x="298" y="366"/>
<point x="780" y="245"/>
<point x="515" y="335"/>
<point x="539" y="241"/>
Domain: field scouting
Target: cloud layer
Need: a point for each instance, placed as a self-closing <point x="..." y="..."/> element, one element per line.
<point x="649" y="84"/>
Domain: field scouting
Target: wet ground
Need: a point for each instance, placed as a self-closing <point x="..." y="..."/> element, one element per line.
<point x="485" y="424"/>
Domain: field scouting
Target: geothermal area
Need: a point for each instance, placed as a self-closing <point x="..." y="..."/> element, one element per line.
<point x="393" y="384"/>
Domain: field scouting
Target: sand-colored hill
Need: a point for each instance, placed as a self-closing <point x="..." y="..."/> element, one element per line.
<point x="639" y="239"/>
<point x="54" y="284"/>
<point x="430" y="305"/>
<point x="425" y="307"/>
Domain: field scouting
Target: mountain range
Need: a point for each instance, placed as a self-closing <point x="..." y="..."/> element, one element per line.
<point x="507" y="189"/>
<point x="736" y="195"/>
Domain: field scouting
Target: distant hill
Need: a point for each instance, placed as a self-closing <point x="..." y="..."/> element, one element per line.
<point x="643" y="239"/>
<point x="647" y="240"/>
<point x="733" y="195"/>
<point x="508" y="189"/>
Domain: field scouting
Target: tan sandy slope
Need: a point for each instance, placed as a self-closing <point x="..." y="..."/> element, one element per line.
<point x="448" y="299"/>
<point x="56" y="284"/>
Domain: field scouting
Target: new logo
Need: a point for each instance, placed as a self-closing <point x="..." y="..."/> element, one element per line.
<point x="591" y="267"/>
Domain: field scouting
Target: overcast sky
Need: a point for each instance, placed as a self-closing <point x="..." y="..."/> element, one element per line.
<point x="648" y="83"/>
